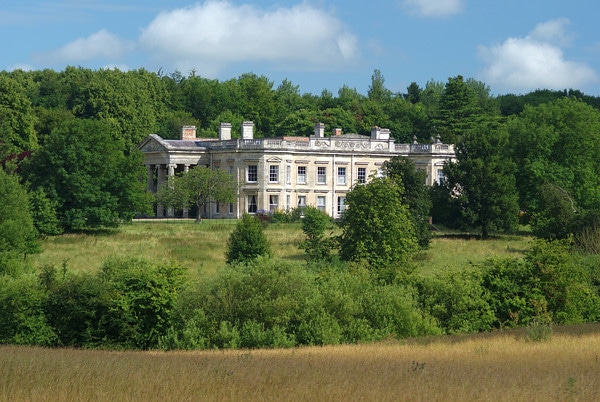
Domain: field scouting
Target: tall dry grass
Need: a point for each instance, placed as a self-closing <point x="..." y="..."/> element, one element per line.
<point x="486" y="367"/>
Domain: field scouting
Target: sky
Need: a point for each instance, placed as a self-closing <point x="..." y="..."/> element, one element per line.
<point x="513" y="46"/>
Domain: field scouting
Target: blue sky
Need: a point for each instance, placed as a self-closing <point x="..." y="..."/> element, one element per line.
<point x="514" y="46"/>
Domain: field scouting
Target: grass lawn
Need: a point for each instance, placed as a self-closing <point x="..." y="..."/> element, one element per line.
<point x="201" y="247"/>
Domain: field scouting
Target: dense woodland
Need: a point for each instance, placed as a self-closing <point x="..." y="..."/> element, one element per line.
<point x="68" y="148"/>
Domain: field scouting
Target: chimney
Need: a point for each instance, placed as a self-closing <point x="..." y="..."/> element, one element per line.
<point x="320" y="130"/>
<point x="225" y="131"/>
<point x="188" y="133"/>
<point x="337" y="131"/>
<point x="247" y="130"/>
<point x="378" y="133"/>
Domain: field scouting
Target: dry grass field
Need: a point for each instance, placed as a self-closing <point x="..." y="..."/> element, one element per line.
<point x="500" y="366"/>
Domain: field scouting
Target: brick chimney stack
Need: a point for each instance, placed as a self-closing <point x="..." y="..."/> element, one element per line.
<point x="188" y="133"/>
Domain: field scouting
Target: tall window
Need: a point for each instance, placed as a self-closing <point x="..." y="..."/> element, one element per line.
<point x="301" y="174"/>
<point x="288" y="202"/>
<point x="273" y="202"/>
<point x="321" y="203"/>
<point x="341" y="204"/>
<point x="288" y="174"/>
<point x="341" y="175"/>
<point x="252" y="174"/>
<point x="301" y="201"/>
<point x="273" y="173"/>
<point x="231" y="207"/>
<point x="217" y="208"/>
<point x="440" y="176"/>
<point x="252" y="207"/>
<point x="321" y="175"/>
<point x="361" y="175"/>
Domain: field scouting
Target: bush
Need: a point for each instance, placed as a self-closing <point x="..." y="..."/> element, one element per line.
<point x="247" y="241"/>
<point x="22" y="318"/>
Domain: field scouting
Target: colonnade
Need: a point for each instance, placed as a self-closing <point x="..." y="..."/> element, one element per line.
<point x="163" y="173"/>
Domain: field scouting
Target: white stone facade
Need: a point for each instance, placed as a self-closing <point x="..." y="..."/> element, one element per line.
<point x="286" y="172"/>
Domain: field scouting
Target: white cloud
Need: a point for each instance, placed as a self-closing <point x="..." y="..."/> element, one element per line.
<point x="101" y="44"/>
<point x="535" y="61"/>
<point x="215" y="34"/>
<point x="434" y="8"/>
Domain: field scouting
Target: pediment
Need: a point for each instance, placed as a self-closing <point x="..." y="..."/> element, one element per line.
<point x="151" y="144"/>
<point x="274" y="160"/>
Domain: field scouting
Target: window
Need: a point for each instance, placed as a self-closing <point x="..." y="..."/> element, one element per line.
<point x="273" y="202"/>
<point x="273" y="173"/>
<point x="301" y="201"/>
<point x="252" y="173"/>
<point x="288" y="202"/>
<point x="252" y="208"/>
<point x="361" y="175"/>
<point x="321" y="203"/>
<point x="341" y="207"/>
<point x="321" y="175"/>
<point x="301" y="174"/>
<point x="217" y="208"/>
<point x="231" y="207"/>
<point x="440" y="176"/>
<point x="288" y="174"/>
<point x="341" y="175"/>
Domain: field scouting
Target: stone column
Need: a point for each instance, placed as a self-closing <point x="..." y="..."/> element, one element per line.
<point x="186" y="213"/>
<point x="150" y="182"/>
<point x="160" y="210"/>
<point x="171" y="173"/>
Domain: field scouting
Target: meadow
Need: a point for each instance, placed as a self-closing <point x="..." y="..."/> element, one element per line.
<point x="506" y="365"/>
<point x="201" y="247"/>
<point x="499" y="366"/>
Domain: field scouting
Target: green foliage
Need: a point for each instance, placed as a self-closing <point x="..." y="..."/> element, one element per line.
<point x="43" y="212"/>
<point x="416" y="194"/>
<point x="17" y="231"/>
<point x="314" y="223"/>
<point x="22" y="317"/>
<point x="247" y="241"/>
<point x="17" y="131"/>
<point x="127" y="304"/>
<point x="457" y="300"/>
<point x="551" y="284"/>
<point x="197" y="187"/>
<point x="481" y="183"/>
<point x="91" y="186"/>
<point x="271" y="303"/>
<point x="377" y="227"/>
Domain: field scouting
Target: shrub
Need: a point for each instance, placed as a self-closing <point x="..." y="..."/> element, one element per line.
<point x="247" y="241"/>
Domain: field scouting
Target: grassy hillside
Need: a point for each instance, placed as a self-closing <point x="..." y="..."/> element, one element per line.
<point x="501" y="366"/>
<point x="201" y="247"/>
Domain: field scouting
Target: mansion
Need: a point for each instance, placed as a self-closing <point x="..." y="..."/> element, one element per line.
<point x="285" y="172"/>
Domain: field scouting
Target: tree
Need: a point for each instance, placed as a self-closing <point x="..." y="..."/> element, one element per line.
<point x="416" y="194"/>
<point x="377" y="91"/>
<point x="458" y="110"/>
<point x="377" y="227"/>
<point x="17" y="121"/>
<point x="197" y="187"/>
<point x="557" y="143"/>
<point x="314" y="224"/>
<point x="85" y="171"/>
<point x="17" y="232"/>
<point x="481" y="184"/>
<point x="247" y="242"/>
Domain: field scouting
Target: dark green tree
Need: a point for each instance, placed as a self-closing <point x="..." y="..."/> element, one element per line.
<point x="17" y="232"/>
<point x="377" y="227"/>
<point x="416" y="194"/>
<point x="481" y="183"/>
<point x="377" y="91"/>
<point x="85" y="172"/>
<point x="458" y="110"/>
<point x="247" y="242"/>
<point x="17" y="120"/>
<point x="314" y="223"/>
<point x="197" y="187"/>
